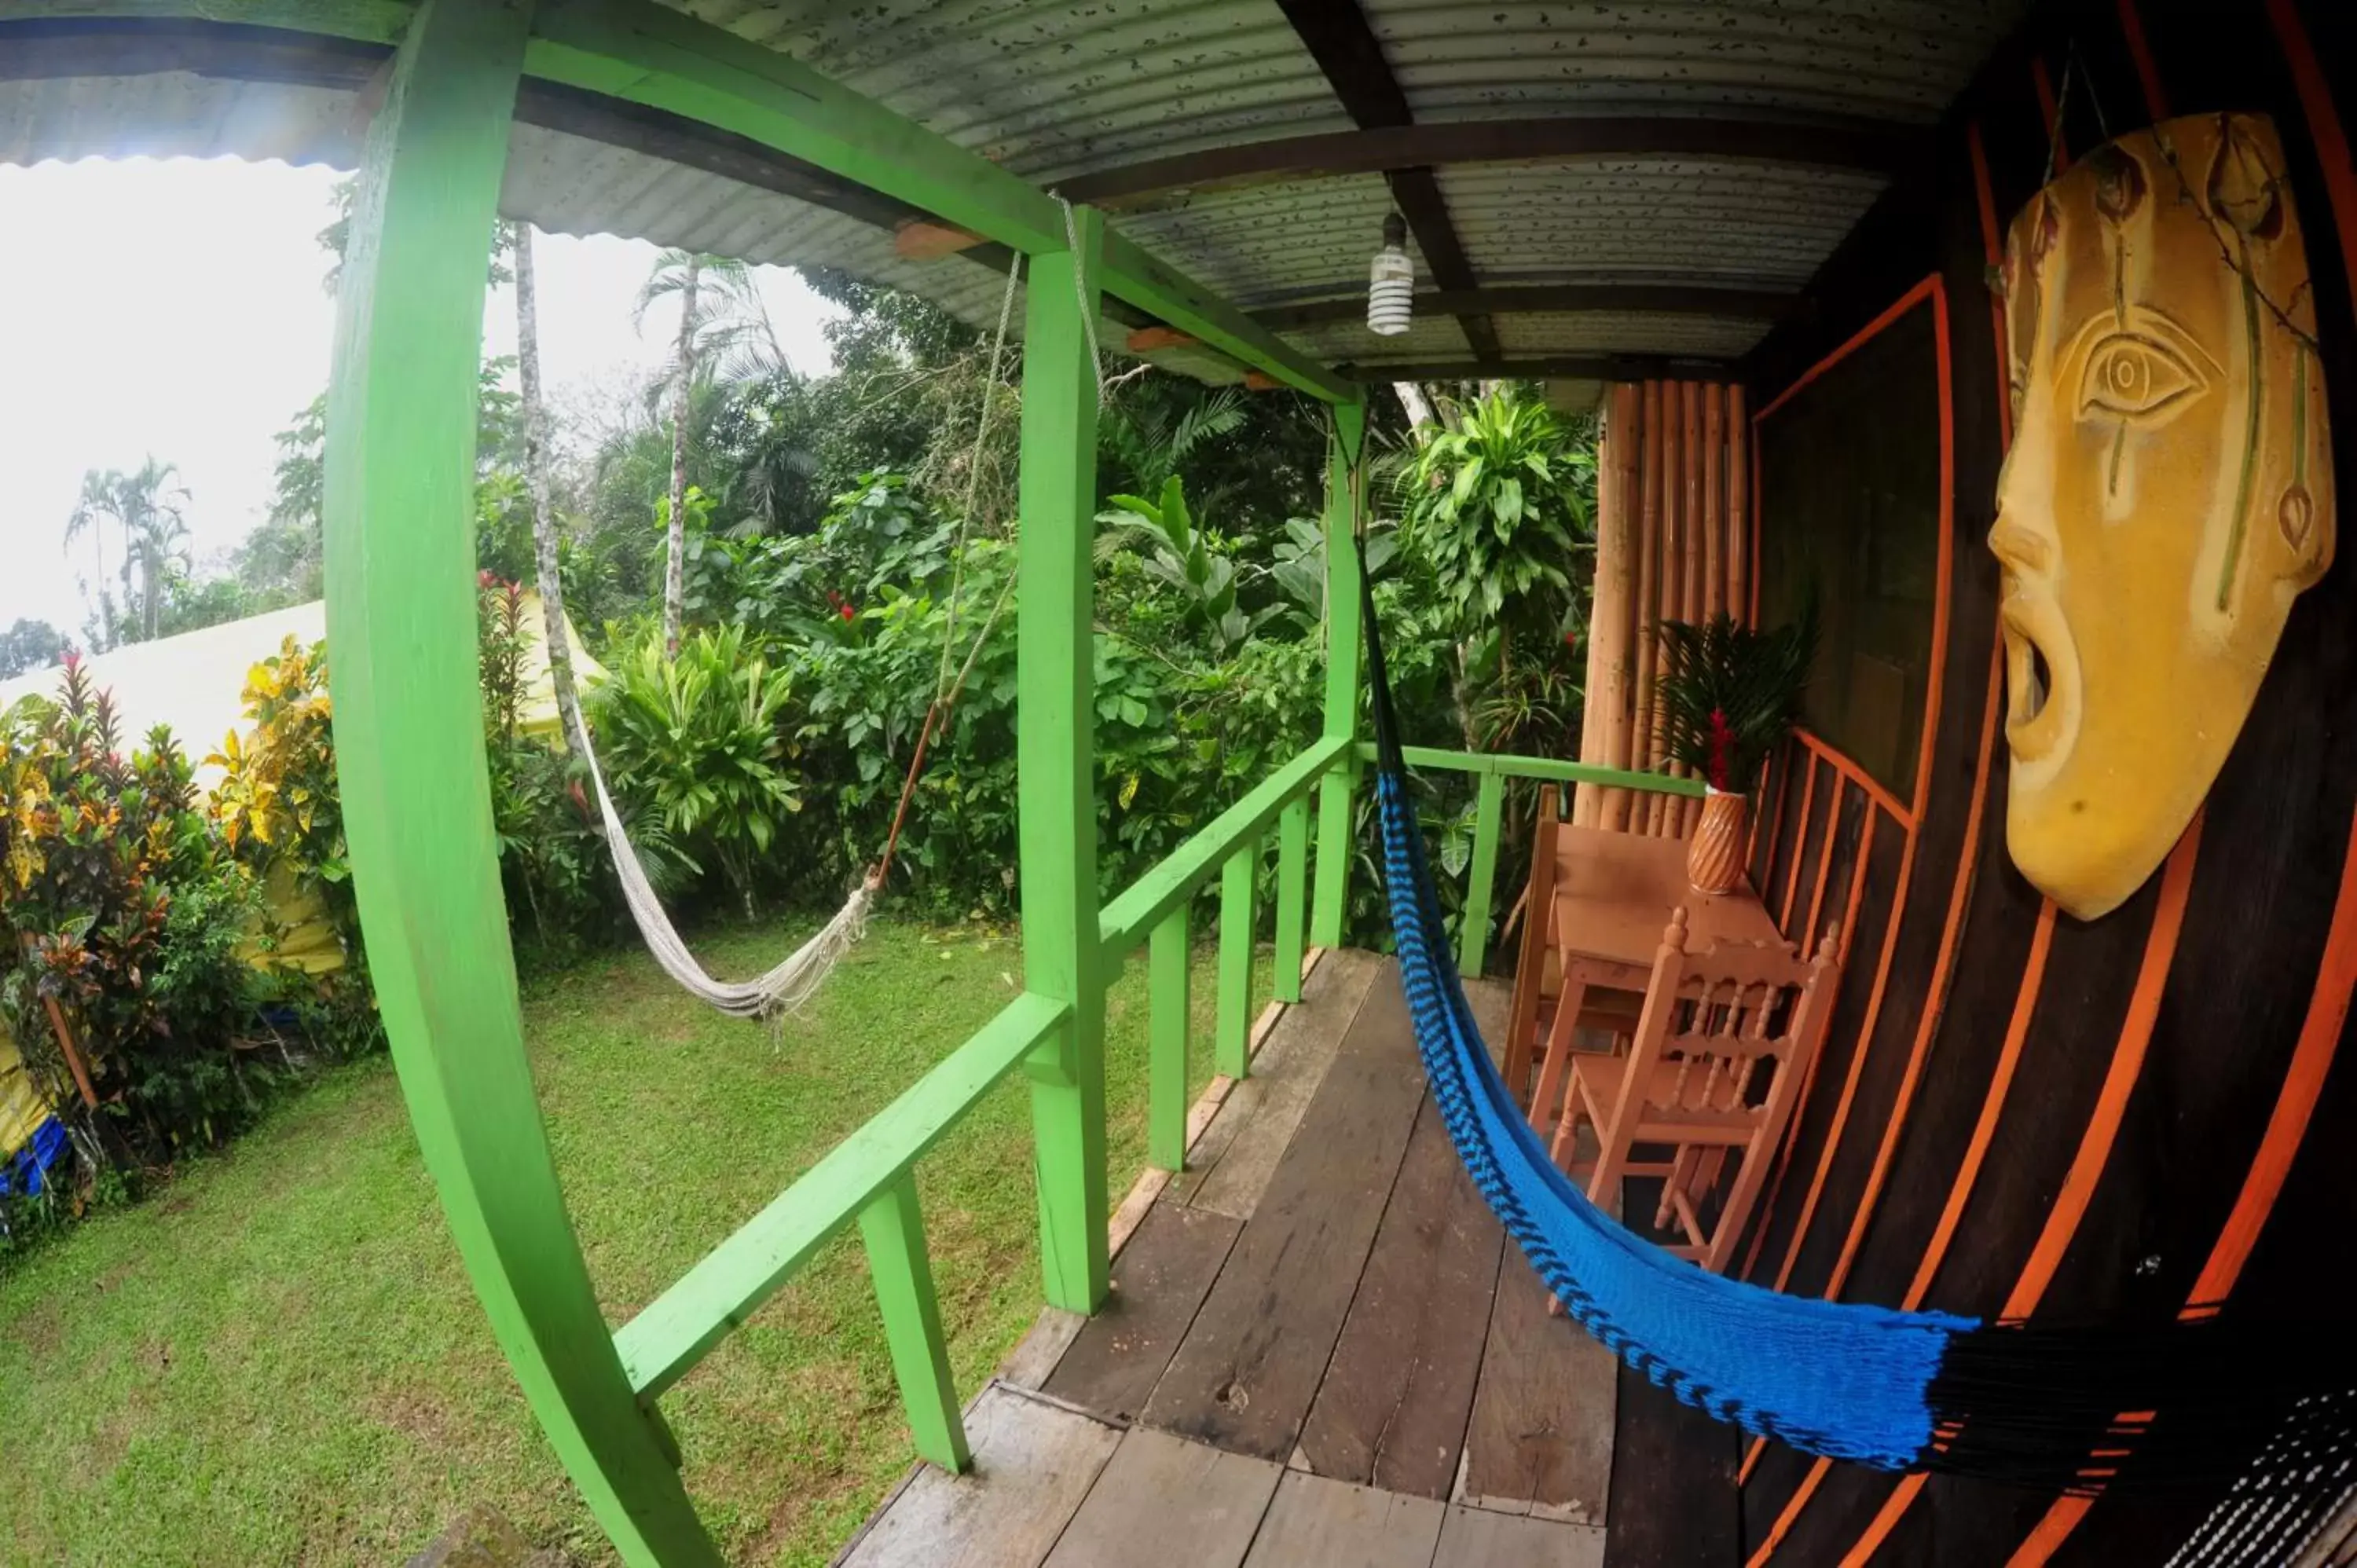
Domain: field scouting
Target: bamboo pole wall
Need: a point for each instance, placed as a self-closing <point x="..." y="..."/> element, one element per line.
<point x="1672" y="542"/>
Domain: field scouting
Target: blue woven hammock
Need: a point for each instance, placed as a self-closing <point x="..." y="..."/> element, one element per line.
<point x="1897" y="1390"/>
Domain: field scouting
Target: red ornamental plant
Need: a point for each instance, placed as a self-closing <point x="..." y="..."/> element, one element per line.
<point x="1727" y="695"/>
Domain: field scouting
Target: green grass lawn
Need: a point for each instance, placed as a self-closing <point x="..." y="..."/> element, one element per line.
<point x="277" y="1358"/>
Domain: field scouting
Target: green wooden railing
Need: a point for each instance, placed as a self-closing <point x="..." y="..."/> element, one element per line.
<point x="870" y="1178"/>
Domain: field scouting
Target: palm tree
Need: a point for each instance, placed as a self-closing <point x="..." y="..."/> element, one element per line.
<point x="716" y="299"/>
<point x="536" y="463"/>
<point x="145" y="505"/>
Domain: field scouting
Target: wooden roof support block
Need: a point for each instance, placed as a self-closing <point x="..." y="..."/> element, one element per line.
<point x="924" y="240"/>
<point x="1152" y="339"/>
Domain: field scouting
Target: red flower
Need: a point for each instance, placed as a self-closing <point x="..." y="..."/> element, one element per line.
<point x="849" y="612"/>
<point x="1722" y="751"/>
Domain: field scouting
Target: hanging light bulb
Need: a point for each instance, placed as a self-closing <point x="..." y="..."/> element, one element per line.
<point x="1390" y="283"/>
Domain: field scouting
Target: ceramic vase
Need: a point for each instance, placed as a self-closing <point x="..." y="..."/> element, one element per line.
<point x="1714" y="851"/>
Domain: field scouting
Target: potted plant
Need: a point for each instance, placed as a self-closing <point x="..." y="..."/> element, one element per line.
<point x="1727" y="696"/>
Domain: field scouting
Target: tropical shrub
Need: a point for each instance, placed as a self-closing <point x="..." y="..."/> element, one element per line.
<point x="695" y="742"/>
<point x="121" y="980"/>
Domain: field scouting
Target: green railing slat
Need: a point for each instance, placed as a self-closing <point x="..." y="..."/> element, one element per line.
<point x="1232" y="1036"/>
<point x="1127" y="920"/>
<point x="1292" y="895"/>
<point x="1546" y="767"/>
<point x="902" y="1271"/>
<point x="1168" y="1008"/>
<point x="1473" y="923"/>
<point x="672" y="1333"/>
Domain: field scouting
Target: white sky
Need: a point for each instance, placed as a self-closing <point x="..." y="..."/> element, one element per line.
<point x="175" y="309"/>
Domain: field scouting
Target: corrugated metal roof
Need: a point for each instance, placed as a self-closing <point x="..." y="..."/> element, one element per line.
<point x="1058" y="89"/>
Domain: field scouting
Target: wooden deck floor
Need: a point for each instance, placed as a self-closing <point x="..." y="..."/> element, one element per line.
<point x="1319" y="1350"/>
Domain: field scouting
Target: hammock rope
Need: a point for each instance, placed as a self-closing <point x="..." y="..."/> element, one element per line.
<point x="785" y="988"/>
<point x="2069" y="1408"/>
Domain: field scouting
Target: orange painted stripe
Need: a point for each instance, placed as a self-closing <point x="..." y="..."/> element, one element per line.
<point x="2156" y="101"/>
<point x="1943" y="973"/>
<point x="1937" y="293"/>
<point x="1842" y="763"/>
<point x="1926" y="289"/>
<point x="1825" y="870"/>
<point x="2127" y="1061"/>
<point x="1960" y="1191"/>
<point x="1801" y="1495"/>
<point x="2049" y="114"/>
<point x="1856" y="887"/>
<point x="2336" y="973"/>
<point x="2094" y="1144"/>
<point x="1800" y="848"/>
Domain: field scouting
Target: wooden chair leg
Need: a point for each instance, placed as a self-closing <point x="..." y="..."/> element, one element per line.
<point x="1681" y="1171"/>
<point x="1552" y="1067"/>
<point x="1740" y="1199"/>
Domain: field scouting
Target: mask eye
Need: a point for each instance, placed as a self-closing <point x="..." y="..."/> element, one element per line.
<point x="2133" y="377"/>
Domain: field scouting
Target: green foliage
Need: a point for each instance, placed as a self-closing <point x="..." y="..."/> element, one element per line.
<point x="124" y="921"/>
<point x="1187" y="558"/>
<point x="1727" y="695"/>
<point x="1495" y="502"/>
<point x="696" y="739"/>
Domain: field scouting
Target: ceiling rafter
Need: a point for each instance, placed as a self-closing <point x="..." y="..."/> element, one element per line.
<point x="1558" y="367"/>
<point x="1650" y="298"/>
<point x="1869" y="146"/>
<point x="1337" y="38"/>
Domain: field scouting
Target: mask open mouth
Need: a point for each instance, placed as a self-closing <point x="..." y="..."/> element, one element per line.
<point x="2041" y="677"/>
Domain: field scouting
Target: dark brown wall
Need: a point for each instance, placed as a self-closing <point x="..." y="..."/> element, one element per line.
<point x="2235" y="961"/>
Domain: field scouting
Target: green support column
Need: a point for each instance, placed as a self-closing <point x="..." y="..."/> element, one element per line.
<point x="1055" y="755"/>
<point x="903" y="1274"/>
<point x="1336" y="849"/>
<point x="1231" y="1037"/>
<point x="1167" y="1003"/>
<point x="1473" y="924"/>
<point x="1291" y="897"/>
<point x="400" y="527"/>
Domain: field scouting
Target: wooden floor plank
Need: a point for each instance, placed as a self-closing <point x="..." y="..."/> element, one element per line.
<point x="1674" y="1501"/>
<point x="1392" y="1410"/>
<point x="1476" y="1538"/>
<point x="1034" y="1359"/>
<point x="1542" y="1434"/>
<point x="1229" y="1169"/>
<point x="1164" y="1499"/>
<point x="1249" y="1368"/>
<point x="1159" y="1282"/>
<point x="1033" y="1465"/>
<point x="1313" y="1520"/>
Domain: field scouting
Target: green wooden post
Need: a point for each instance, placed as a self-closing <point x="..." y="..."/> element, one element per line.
<point x="400" y="542"/>
<point x="1336" y="849"/>
<point x="1473" y="928"/>
<point x="1057" y="824"/>
<point x="903" y="1272"/>
<point x="1232" y="1042"/>
<point x="1167" y="1010"/>
<point x="1291" y="897"/>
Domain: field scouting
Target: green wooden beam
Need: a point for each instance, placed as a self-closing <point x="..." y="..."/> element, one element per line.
<point x="894" y="1229"/>
<point x="369" y="21"/>
<point x="1056" y="759"/>
<point x="1336" y="850"/>
<point x="646" y="53"/>
<point x="649" y="54"/>
<point x="1128" y="919"/>
<point x="661" y="1343"/>
<point x="1168" y="1005"/>
<point x="1546" y="767"/>
<point x="400" y="541"/>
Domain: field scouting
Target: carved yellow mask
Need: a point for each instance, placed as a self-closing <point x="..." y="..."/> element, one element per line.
<point x="2169" y="491"/>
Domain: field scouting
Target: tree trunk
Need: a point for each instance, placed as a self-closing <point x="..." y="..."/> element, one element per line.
<point x="1419" y="408"/>
<point x="543" y="515"/>
<point x="675" y="565"/>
